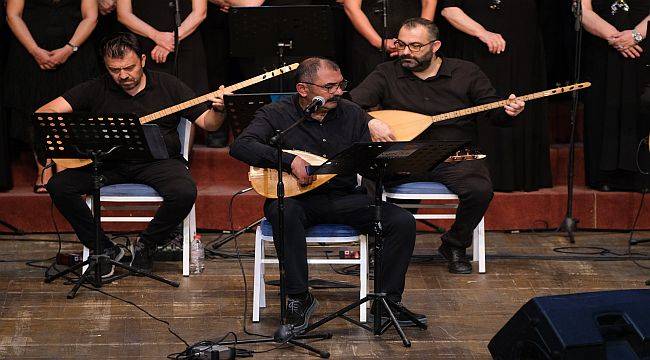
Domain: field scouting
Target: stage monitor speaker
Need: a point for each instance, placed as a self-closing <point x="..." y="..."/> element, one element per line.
<point x="593" y="326"/>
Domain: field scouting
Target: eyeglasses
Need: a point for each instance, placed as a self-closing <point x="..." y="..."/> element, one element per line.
<point x="414" y="47"/>
<point x="331" y="88"/>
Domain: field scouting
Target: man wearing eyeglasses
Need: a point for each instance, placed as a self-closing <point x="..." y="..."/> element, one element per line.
<point x="338" y="124"/>
<point x="422" y="82"/>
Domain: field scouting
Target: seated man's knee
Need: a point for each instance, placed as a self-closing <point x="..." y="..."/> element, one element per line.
<point x="184" y="194"/>
<point x="478" y="192"/>
<point x="400" y="220"/>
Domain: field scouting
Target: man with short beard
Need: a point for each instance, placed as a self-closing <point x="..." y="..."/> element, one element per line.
<point x="338" y="124"/>
<point x="422" y="82"/>
<point x="128" y="87"/>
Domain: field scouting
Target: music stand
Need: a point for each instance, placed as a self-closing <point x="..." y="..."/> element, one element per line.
<point x="241" y="108"/>
<point x="80" y="136"/>
<point x="378" y="162"/>
<point x="270" y="31"/>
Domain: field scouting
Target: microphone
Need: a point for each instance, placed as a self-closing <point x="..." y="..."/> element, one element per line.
<point x="315" y="104"/>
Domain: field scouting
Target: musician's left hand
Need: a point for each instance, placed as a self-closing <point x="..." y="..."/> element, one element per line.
<point x="217" y="100"/>
<point x="514" y="107"/>
<point x="380" y="131"/>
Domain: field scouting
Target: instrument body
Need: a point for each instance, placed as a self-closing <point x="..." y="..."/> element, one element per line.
<point x="264" y="180"/>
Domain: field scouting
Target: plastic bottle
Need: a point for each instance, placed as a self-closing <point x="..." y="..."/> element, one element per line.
<point x="197" y="255"/>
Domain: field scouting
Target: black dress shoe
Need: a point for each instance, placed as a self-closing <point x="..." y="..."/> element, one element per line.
<point x="458" y="262"/>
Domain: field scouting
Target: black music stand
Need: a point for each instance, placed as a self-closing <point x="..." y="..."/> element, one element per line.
<point x="378" y="162"/>
<point x="241" y="108"/>
<point x="281" y="31"/>
<point x="80" y="136"/>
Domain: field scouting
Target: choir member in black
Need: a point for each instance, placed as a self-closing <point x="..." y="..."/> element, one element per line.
<point x="423" y="82"/>
<point x="504" y="39"/>
<point x="214" y="32"/>
<point x="128" y="87"/>
<point x="369" y="43"/>
<point x="153" y="22"/>
<point x="333" y="128"/>
<point x="48" y="55"/>
<point x="613" y="122"/>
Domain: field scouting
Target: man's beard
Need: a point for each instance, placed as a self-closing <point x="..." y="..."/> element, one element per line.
<point x="415" y="65"/>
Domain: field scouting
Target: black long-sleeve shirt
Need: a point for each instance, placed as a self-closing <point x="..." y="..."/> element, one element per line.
<point x="341" y="127"/>
<point x="458" y="85"/>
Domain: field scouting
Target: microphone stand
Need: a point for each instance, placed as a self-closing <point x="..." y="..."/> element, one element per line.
<point x="385" y="29"/>
<point x="569" y="224"/>
<point x="177" y="24"/>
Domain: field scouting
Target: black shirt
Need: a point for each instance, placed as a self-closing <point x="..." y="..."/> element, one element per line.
<point x="458" y="84"/>
<point x="341" y="127"/>
<point x="103" y="96"/>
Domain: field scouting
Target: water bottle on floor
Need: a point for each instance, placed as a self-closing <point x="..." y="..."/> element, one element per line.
<point x="197" y="255"/>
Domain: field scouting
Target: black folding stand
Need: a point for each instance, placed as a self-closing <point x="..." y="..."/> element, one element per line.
<point x="377" y="162"/>
<point x="78" y="136"/>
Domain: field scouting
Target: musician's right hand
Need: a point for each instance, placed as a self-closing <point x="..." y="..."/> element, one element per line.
<point x="380" y="131"/>
<point x="299" y="170"/>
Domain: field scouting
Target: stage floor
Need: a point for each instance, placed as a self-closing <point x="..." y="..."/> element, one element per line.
<point x="464" y="311"/>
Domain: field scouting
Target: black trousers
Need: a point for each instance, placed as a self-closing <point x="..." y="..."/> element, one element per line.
<point x="350" y="209"/>
<point x="470" y="180"/>
<point x="170" y="178"/>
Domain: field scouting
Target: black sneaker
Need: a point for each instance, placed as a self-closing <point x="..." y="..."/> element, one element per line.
<point x="299" y="312"/>
<point x="400" y="314"/>
<point x="142" y="256"/>
<point x="114" y="252"/>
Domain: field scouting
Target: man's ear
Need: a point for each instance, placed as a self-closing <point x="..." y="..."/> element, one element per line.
<point x="143" y="59"/>
<point x="436" y="46"/>
<point x="301" y="88"/>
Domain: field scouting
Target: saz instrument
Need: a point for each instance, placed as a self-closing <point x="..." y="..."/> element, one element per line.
<point x="405" y="125"/>
<point x="408" y="125"/>
<point x="75" y="163"/>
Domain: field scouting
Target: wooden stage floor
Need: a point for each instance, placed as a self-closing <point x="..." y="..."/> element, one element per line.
<point x="464" y="311"/>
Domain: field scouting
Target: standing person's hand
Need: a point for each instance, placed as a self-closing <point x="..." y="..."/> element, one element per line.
<point x="495" y="42"/>
<point x="43" y="58"/>
<point x="390" y="48"/>
<point x="106" y="6"/>
<point x="164" y="40"/>
<point x="61" y="55"/>
<point x="159" y="54"/>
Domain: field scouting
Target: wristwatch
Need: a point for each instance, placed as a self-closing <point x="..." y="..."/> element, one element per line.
<point x="637" y="36"/>
<point x="75" y="47"/>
